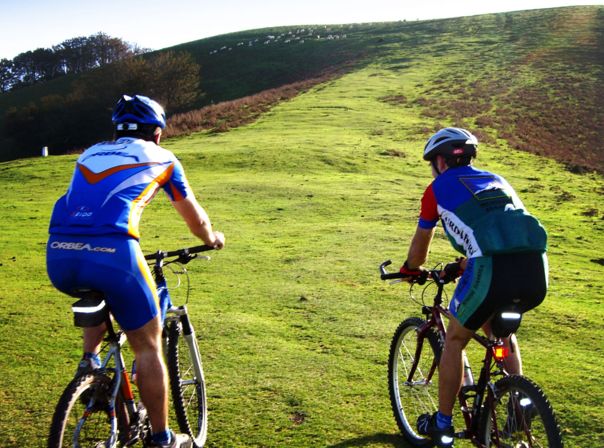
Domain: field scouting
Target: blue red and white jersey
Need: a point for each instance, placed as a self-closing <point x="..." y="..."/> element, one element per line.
<point x="481" y="213"/>
<point x="111" y="185"/>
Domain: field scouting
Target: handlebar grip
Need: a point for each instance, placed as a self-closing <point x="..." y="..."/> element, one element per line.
<point x="179" y="252"/>
<point x="197" y="249"/>
<point x="393" y="275"/>
<point x="385" y="275"/>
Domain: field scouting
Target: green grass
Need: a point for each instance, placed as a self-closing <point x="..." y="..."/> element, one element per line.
<point x="295" y="324"/>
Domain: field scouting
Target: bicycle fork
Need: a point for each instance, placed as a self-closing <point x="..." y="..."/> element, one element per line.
<point x="189" y="335"/>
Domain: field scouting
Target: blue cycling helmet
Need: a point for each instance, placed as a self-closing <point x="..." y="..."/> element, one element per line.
<point x="138" y="109"/>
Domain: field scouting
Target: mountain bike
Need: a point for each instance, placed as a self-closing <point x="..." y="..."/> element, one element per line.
<point x="98" y="408"/>
<point x="498" y="410"/>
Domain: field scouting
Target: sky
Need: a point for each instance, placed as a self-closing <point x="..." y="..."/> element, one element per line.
<point x="30" y="24"/>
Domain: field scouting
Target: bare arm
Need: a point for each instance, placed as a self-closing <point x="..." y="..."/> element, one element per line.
<point x="420" y="245"/>
<point x="198" y="221"/>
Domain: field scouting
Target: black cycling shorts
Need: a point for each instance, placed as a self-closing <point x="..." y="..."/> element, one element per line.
<point x="491" y="283"/>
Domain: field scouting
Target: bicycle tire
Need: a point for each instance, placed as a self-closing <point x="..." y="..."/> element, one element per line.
<point x="518" y="411"/>
<point x="409" y="401"/>
<point x="69" y="413"/>
<point x="188" y="391"/>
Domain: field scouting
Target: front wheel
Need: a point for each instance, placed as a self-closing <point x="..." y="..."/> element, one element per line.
<point x="518" y="414"/>
<point x="82" y="417"/>
<point x="187" y="383"/>
<point x="412" y="395"/>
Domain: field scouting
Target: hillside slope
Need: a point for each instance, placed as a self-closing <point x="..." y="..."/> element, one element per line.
<point x="531" y="78"/>
<point x="294" y="323"/>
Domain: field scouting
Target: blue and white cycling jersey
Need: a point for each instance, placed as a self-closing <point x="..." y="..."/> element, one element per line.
<point x="112" y="184"/>
<point x="485" y="220"/>
<point x="481" y="214"/>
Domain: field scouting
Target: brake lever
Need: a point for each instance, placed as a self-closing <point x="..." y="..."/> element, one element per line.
<point x="185" y="258"/>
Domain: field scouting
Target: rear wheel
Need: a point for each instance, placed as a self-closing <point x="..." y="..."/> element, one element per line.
<point x="413" y="396"/>
<point x="188" y="386"/>
<point x="82" y="416"/>
<point x="519" y="415"/>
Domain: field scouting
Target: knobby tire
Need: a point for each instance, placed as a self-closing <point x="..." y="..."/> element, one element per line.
<point x="410" y="400"/>
<point x="70" y="410"/>
<point x="519" y="415"/>
<point x="188" y="391"/>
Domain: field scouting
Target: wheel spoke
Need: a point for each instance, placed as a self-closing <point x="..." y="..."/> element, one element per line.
<point x="188" y="391"/>
<point x="521" y="416"/>
<point x="413" y="396"/>
<point x="82" y="418"/>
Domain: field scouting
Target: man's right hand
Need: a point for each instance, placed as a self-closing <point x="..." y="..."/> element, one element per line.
<point x="219" y="240"/>
<point x="453" y="270"/>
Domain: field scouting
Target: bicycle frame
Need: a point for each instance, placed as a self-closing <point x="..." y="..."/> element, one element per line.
<point x="99" y="404"/>
<point x="120" y="384"/>
<point x="499" y="409"/>
<point x="491" y="366"/>
<point x="121" y="381"/>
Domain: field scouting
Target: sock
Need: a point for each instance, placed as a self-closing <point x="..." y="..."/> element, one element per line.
<point x="94" y="358"/>
<point x="443" y="421"/>
<point x="163" y="437"/>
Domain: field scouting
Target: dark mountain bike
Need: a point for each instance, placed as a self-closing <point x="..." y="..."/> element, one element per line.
<point x="99" y="409"/>
<point x="498" y="410"/>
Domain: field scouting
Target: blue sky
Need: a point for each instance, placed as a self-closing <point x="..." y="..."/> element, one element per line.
<point x="30" y="24"/>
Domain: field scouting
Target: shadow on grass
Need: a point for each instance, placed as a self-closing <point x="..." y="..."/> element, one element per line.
<point x="394" y="440"/>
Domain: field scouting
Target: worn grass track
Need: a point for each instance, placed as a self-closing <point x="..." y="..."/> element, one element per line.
<point x="295" y="325"/>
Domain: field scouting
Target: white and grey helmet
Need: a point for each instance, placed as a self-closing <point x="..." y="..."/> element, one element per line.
<point x="451" y="142"/>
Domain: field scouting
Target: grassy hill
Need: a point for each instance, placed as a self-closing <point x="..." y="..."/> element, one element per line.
<point x="294" y="323"/>
<point x="531" y="78"/>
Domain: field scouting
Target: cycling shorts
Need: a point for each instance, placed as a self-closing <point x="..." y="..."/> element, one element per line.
<point x="113" y="265"/>
<point x="490" y="283"/>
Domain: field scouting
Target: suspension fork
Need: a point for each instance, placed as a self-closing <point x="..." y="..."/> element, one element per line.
<point x="189" y="334"/>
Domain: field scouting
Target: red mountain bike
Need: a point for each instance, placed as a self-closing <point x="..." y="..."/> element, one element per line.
<point x="499" y="410"/>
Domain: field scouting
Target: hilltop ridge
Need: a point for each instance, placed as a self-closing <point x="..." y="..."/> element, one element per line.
<point x="530" y="78"/>
<point x="318" y="189"/>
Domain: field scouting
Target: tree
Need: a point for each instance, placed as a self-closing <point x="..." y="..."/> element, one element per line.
<point x="172" y="78"/>
<point x="176" y="79"/>
<point x="7" y="75"/>
<point x="72" y="56"/>
<point x="108" y="49"/>
<point x="76" y="55"/>
<point x="83" y="116"/>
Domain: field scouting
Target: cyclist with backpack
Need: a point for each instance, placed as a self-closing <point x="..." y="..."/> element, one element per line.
<point x="94" y="243"/>
<point x="505" y="261"/>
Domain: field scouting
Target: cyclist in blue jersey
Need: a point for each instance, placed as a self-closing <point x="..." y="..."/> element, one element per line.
<point x="94" y="243"/>
<point x="504" y="264"/>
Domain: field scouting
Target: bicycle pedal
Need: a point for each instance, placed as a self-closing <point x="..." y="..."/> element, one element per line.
<point x="133" y="441"/>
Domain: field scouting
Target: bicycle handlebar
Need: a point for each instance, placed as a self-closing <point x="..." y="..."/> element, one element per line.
<point x="385" y="275"/>
<point x="433" y="274"/>
<point x="183" y="254"/>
